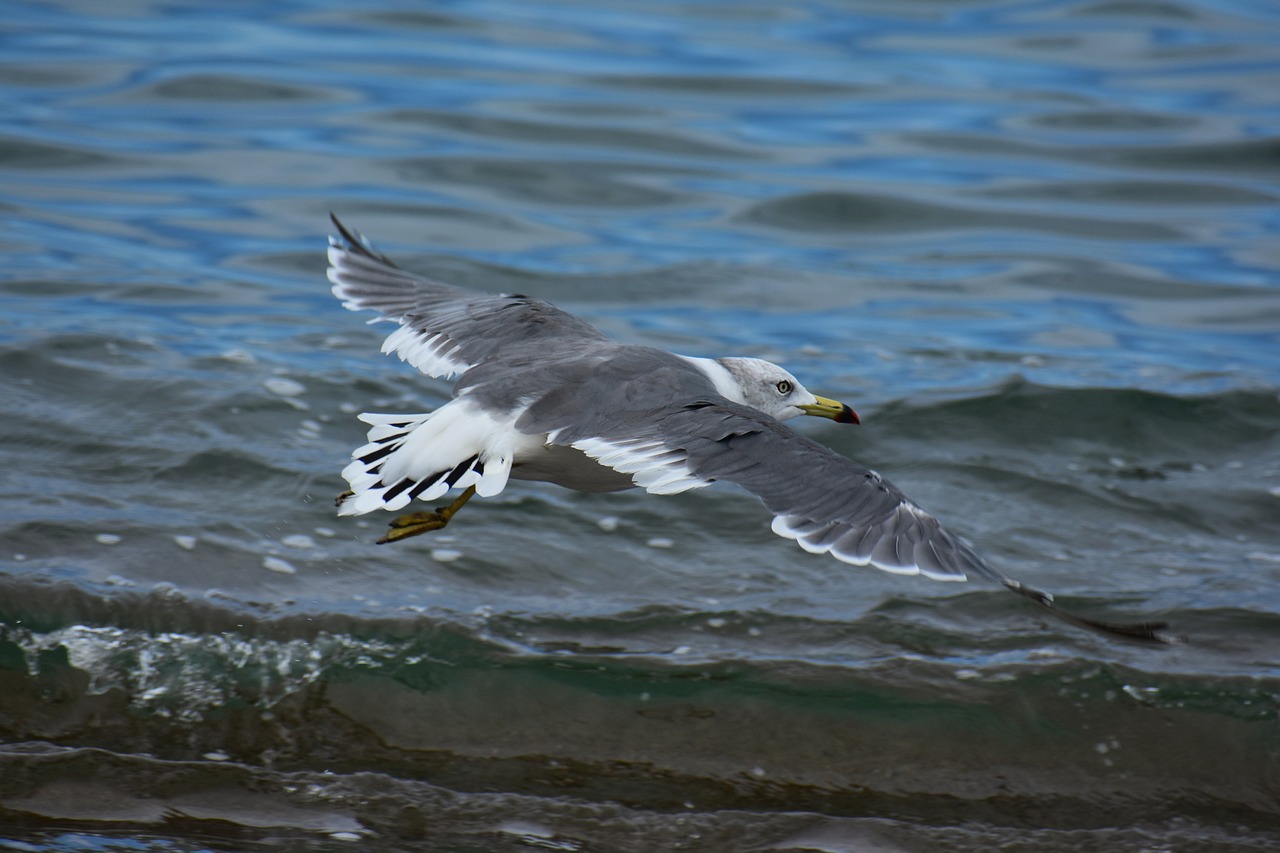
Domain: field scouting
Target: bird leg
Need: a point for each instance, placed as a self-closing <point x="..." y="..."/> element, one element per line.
<point x="416" y="523"/>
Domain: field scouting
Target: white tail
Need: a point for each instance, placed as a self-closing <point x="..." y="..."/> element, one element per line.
<point x="425" y="455"/>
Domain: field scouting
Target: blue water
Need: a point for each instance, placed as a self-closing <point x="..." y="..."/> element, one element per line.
<point x="1034" y="244"/>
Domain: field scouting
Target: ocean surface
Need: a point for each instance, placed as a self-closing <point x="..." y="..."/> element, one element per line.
<point x="1035" y="244"/>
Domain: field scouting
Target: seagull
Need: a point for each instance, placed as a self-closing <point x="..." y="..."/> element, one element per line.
<point x="543" y="395"/>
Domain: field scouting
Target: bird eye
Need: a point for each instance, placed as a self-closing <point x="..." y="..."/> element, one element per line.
<point x="784" y="387"/>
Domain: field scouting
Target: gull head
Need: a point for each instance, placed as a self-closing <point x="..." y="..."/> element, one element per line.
<point x="765" y="386"/>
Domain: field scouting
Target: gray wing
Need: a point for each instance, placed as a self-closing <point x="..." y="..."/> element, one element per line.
<point x="826" y="502"/>
<point x="671" y="433"/>
<point x="829" y="503"/>
<point x="444" y="330"/>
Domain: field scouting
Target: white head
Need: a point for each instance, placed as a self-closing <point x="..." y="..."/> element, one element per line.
<point x="765" y="386"/>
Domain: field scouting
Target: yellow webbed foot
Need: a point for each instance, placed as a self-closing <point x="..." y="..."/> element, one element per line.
<point x="417" y="523"/>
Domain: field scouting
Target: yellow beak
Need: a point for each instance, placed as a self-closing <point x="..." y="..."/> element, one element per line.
<point x="824" y="407"/>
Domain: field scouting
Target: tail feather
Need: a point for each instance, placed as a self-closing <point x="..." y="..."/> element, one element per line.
<point x="408" y="457"/>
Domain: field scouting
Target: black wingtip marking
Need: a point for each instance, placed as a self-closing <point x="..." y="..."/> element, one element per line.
<point x="356" y="242"/>
<point x="1148" y="632"/>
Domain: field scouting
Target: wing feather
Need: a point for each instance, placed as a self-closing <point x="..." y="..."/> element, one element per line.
<point x="827" y="502"/>
<point x="444" y="329"/>
<point x="656" y="418"/>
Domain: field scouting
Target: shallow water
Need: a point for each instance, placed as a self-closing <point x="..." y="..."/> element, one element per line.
<point x="1034" y="244"/>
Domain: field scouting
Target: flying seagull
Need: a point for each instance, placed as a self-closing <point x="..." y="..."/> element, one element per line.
<point x="543" y="395"/>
